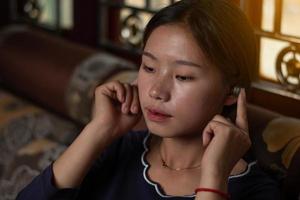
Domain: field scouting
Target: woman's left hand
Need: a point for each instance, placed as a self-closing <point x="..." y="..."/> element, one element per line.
<point x="225" y="142"/>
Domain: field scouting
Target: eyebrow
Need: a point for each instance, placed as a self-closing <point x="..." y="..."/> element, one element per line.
<point x="179" y="62"/>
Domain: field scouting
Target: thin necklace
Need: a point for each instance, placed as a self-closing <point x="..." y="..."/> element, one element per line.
<point x="165" y="165"/>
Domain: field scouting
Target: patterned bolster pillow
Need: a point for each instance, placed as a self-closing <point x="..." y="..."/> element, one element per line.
<point x="30" y="140"/>
<point x="92" y="72"/>
<point x="56" y="73"/>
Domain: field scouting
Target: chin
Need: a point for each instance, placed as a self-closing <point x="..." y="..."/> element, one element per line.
<point x="161" y="131"/>
<point x="166" y="131"/>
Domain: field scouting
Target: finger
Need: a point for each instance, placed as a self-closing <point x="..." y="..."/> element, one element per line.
<point x="128" y="98"/>
<point x="134" y="82"/>
<point x="114" y="90"/>
<point x="228" y="119"/>
<point x="241" y="115"/>
<point x="210" y="130"/>
<point x="221" y="119"/>
<point x="135" y="101"/>
<point x="206" y="138"/>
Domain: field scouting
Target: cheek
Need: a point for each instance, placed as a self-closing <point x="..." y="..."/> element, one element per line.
<point x="190" y="104"/>
<point x="200" y="102"/>
<point x="191" y="114"/>
<point x="143" y="84"/>
<point x="193" y="94"/>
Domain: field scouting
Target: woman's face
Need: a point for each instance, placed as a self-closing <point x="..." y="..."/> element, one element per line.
<point x="179" y="90"/>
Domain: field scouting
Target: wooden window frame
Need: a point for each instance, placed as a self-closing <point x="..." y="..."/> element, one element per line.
<point x="267" y="93"/>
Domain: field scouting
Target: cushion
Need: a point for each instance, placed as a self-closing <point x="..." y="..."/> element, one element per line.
<point x="30" y="139"/>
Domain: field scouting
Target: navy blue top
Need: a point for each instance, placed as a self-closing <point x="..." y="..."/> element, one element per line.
<point x="121" y="173"/>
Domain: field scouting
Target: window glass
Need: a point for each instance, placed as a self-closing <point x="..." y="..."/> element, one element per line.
<point x="135" y="3"/>
<point x="291" y="18"/>
<point x="269" y="50"/>
<point x="45" y="13"/>
<point x="268" y="15"/>
<point x="158" y="4"/>
<point x="66" y="14"/>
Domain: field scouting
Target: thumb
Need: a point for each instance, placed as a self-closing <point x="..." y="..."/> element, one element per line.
<point x="206" y="138"/>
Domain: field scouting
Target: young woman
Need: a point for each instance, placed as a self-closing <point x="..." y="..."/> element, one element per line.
<point x="196" y="55"/>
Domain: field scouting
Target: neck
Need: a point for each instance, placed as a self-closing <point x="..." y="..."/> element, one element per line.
<point x="181" y="152"/>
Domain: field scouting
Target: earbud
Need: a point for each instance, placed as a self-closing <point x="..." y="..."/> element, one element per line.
<point x="236" y="91"/>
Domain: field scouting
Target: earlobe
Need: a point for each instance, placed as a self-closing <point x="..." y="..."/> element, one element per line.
<point x="230" y="100"/>
<point x="232" y="96"/>
<point x="236" y="91"/>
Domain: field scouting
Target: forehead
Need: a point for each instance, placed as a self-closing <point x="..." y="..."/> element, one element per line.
<point x="174" y="41"/>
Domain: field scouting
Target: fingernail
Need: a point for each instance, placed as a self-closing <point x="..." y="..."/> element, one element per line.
<point x="120" y="97"/>
<point x="125" y="109"/>
<point x="134" y="109"/>
<point x="244" y="92"/>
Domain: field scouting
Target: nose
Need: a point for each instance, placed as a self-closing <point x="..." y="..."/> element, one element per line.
<point x="160" y="90"/>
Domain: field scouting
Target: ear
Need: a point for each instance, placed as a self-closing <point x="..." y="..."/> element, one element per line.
<point x="232" y="97"/>
<point x="230" y="100"/>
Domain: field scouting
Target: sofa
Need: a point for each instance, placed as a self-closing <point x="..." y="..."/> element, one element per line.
<point x="46" y="93"/>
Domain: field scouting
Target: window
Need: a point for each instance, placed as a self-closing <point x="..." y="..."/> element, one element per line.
<point x="123" y="22"/>
<point x="276" y="23"/>
<point x="277" y="27"/>
<point x="53" y="15"/>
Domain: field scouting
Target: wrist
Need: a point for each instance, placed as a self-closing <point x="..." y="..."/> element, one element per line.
<point x="101" y="134"/>
<point x="211" y="191"/>
<point x="214" y="179"/>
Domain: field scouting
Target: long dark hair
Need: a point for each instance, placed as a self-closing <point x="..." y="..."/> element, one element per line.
<point x="222" y="31"/>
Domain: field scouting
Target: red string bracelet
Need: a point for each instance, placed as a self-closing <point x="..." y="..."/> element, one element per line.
<point x="222" y="194"/>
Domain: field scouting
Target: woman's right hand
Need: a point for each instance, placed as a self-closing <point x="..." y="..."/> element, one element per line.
<point x="116" y="107"/>
<point x="116" y="111"/>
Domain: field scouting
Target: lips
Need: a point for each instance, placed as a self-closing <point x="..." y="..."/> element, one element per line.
<point x="157" y="115"/>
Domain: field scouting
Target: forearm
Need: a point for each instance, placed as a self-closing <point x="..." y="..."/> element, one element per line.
<point x="72" y="166"/>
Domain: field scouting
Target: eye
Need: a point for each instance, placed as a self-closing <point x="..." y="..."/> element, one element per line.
<point x="148" y="69"/>
<point x="184" y="78"/>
